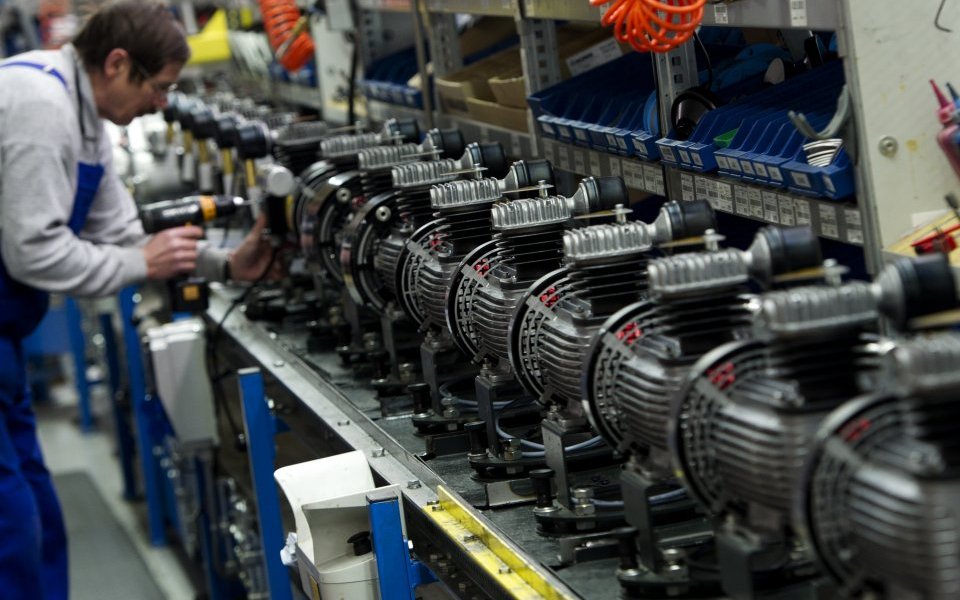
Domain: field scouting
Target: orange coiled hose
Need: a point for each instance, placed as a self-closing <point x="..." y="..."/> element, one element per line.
<point x="286" y="33"/>
<point x="653" y="25"/>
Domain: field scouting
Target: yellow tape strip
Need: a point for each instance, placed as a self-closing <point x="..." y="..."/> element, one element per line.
<point x="514" y="572"/>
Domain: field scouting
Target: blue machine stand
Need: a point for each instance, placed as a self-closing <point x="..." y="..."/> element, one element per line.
<point x="145" y="408"/>
<point x="260" y="426"/>
<point x="398" y="573"/>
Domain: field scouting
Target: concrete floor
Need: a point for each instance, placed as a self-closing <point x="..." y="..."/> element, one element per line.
<point x="67" y="449"/>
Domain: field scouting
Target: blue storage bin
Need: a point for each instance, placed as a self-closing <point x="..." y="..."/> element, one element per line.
<point x="765" y="147"/>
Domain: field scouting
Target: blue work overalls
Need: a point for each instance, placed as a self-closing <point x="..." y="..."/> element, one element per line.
<point x="33" y="541"/>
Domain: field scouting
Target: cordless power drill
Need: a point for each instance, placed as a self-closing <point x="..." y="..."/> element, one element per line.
<point x="188" y="294"/>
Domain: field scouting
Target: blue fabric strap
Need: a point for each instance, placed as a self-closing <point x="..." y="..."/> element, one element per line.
<point x="49" y="70"/>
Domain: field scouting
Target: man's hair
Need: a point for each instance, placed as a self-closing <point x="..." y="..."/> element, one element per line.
<point x="147" y="30"/>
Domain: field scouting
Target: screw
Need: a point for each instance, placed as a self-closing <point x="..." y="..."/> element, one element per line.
<point x="378" y="453"/>
<point x="413" y="484"/>
<point x="278" y="363"/>
<point x="504" y="569"/>
<point x="343" y="423"/>
<point x="383" y="214"/>
<point x="343" y="195"/>
<point x="512" y="449"/>
<point x="583" y="501"/>
<point x="888" y="146"/>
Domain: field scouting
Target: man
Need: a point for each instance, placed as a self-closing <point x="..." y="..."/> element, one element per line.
<point x="68" y="225"/>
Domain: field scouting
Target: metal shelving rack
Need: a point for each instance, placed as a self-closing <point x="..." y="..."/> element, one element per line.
<point x="887" y="54"/>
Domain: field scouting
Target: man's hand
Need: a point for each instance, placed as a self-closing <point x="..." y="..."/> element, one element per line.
<point x="172" y="252"/>
<point x="253" y="256"/>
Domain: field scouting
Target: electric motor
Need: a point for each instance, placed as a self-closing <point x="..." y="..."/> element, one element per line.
<point x="880" y="496"/>
<point x="527" y="244"/>
<point x="742" y="423"/>
<point x="606" y="268"/>
<point x="374" y="239"/>
<point x="431" y="255"/>
<point x="696" y="302"/>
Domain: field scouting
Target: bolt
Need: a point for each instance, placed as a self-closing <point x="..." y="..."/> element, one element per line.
<point x="512" y="449"/>
<point x="673" y="557"/>
<point x="888" y="146"/>
<point x="343" y="423"/>
<point x="278" y="363"/>
<point x="504" y="570"/>
<point x="378" y="453"/>
<point x="621" y="214"/>
<point x="413" y="484"/>
<point x="582" y="498"/>
<point x="343" y="195"/>
<point x="383" y="214"/>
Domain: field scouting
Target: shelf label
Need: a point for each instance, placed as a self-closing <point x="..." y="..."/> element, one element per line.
<point x="775" y="173"/>
<point x="700" y="188"/>
<point x="854" y="225"/>
<point x="548" y="153"/>
<point x="725" y="196"/>
<point x="515" y="148"/>
<point x="580" y="162"/>
<point x="787" y="214"/>
<point x="654" y="176"/>
<point x="563" y="158"/>
<point x="851" y="217"/>
<point x="771" y="207"/>
<point x="594" y="164"/>
<point x="801" y="209"/>
<point x="720" y="14"/>
<point x="686" y="187"/>
<point x="798" y="13"/>
<point x="633" y="175"/>
<point x="742" y="198"/>
<point x="615" y="169"/>
<point x="668" y="155"/>
<point x="756" y="203"/>
<point x="594" y="56"/>
<point x="829" y="227"/>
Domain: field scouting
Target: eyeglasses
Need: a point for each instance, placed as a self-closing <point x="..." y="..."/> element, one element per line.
<point x="158" y="88"/>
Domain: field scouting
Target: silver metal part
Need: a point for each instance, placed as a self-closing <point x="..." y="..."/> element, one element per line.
<point x="925" y="364"/>
<point x="178" y="352"/>
<point x="606" y="240"/>
<point x="530" y="211"/>
<point x="817" y="310"/>
<point x="347" y="145"/>
<point x="279" y="181"/>
<point x="383" y="157"/>
<point x="424" y="173"/>
<point x="822" y="153"/>
<point x="692" y="272"/>
<point x="465" y="193"/>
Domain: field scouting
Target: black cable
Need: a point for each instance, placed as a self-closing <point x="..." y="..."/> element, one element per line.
<point x="936" y="20"/>
<point x="239" y="299"/>
<point x="352" y="84"/>
<point x="706" y="57"/>
<point x="213" y="362"/>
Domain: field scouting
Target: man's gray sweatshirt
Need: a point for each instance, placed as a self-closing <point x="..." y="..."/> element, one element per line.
<point x="40" y="146"/>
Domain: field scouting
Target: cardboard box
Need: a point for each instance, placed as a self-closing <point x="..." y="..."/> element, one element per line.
<point x="514" y="119"/>
<point x="486" y="32"/>
<point x="454" y="89"/>
<point x="579" y="50"/>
